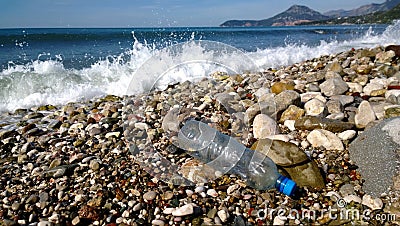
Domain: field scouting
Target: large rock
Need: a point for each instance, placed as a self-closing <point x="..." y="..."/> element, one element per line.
<point x="375" y="152"/>
<point x="365" y="114"/>
<point x="282" y="153"/>
<point x="294" y="161"/>
<point x="326" y="139"/>
<point x="264" y="126"/>
<point x="306" y="175"/>
<point x="334" y="86"/>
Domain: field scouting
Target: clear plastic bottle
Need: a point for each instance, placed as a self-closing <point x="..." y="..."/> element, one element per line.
<point x="227" y="155"/>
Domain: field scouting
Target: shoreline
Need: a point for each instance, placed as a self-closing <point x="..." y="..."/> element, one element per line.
<point x="77" y="164"/>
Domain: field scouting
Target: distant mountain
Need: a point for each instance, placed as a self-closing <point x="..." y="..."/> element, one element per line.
<point x="381" y="17"/>
<point x="363" y="10"/>
<point x="294" y="15"/>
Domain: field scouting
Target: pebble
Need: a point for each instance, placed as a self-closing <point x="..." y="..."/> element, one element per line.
<point x="199" y="189"/>
<point x="334" y="86"/>
<point x="158" y="222"/>
<point x="365" y="114"/>
<point x="264" y="126"/>
<point x="326" y="139"/>
<point x="212" y="192"/>
<point x="150" y="195"/>
<point x="44" y="223"/>
<point x="352" y="198"/>
<point x="223" y="215"/>
<point x="183" y="210"/>
<point x="372" y="203"/>
<point x="315" y="107"/>
<point x="347" y="135"/>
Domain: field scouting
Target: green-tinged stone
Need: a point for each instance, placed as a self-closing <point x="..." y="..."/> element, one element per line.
<point x="311" y="123"/>
<point x="34" y="115"/>
<point x="279" y="87"/>
<point x="377" y="93"/>
<point x="111" y="98"/>
<point x="392" y="112"/>
<point x="78" y="143"/>
<point x="292" y="113"/>
<point x="282" y="153"/>
<point x="55" y="163"/>
<point x="46" y="108"/>
<point x="306" y="175"/>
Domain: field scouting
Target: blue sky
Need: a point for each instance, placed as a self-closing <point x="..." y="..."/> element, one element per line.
<point x="149" y="13"/>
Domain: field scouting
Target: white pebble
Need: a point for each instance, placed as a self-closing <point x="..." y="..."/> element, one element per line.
<point x="183" y="210"/>
<point x="373" y="203"/>
<point x="223" y="215"/>
<point x="199" y="189"/>
<point x="158" y="222"/>
<point x="212" y="193"/>
<point x="347" y="135"/>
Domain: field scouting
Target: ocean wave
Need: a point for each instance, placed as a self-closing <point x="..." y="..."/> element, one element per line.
<point x="49" y="82"/>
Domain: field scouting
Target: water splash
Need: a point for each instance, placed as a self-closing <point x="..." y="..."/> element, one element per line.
<point x="48" y="81"/>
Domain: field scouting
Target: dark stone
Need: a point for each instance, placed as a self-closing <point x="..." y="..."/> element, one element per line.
<point x="394" y="48"/>
<point x="54" y="124"/>
<point x="311" y="123"/>
<point x="28" y="127"/>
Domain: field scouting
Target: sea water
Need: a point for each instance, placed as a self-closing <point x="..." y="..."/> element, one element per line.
<point x="57" y="66"/>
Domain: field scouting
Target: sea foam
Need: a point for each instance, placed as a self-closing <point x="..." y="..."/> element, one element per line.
<point x="145" y="67"/>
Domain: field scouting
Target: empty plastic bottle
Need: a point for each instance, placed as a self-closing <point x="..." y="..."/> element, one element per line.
<point x="227" y="155"/>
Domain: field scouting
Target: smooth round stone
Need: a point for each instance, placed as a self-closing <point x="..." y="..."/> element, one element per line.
<point x="158" y="222"/>
<point x="364" y="115"/>
<point x="76" y="220"/>
<point x="199" y="189"/>
<point x="314" y="107"/>
<point x="285" y="99"/>
<point x="223" y="215"/>
<point x="347" y="135"/>
<point x="183" y="210"/>
<point x="334" y="106"/>
<point x="167" y="195"/>
<point x="44" y="223"/>
<point x="326" y="139"/>
<point x="212" y="193"/>
<point x="264" y="126"/>
<point x="150" y="195"/>
<point x="346" y="189"/>
<point x="282" y="153"/>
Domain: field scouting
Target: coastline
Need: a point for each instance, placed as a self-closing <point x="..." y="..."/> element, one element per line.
<point x="74" y="164"/>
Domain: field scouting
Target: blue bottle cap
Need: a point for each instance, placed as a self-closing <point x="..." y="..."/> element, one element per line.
<point x="285" y="185"/>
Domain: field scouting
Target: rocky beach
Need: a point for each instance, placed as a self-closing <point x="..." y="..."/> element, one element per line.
<point x="331" y="124"/>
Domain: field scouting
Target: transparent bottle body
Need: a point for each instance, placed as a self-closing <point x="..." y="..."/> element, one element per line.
<point x="227" y="155"/>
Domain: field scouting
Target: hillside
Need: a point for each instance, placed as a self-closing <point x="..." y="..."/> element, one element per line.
<point x="363" y="10"/>
<point x="294" y="15"/>
<point x="372" y="18"/>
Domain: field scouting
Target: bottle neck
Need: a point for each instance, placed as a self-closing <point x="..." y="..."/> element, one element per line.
<point x="285" y="185"/>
